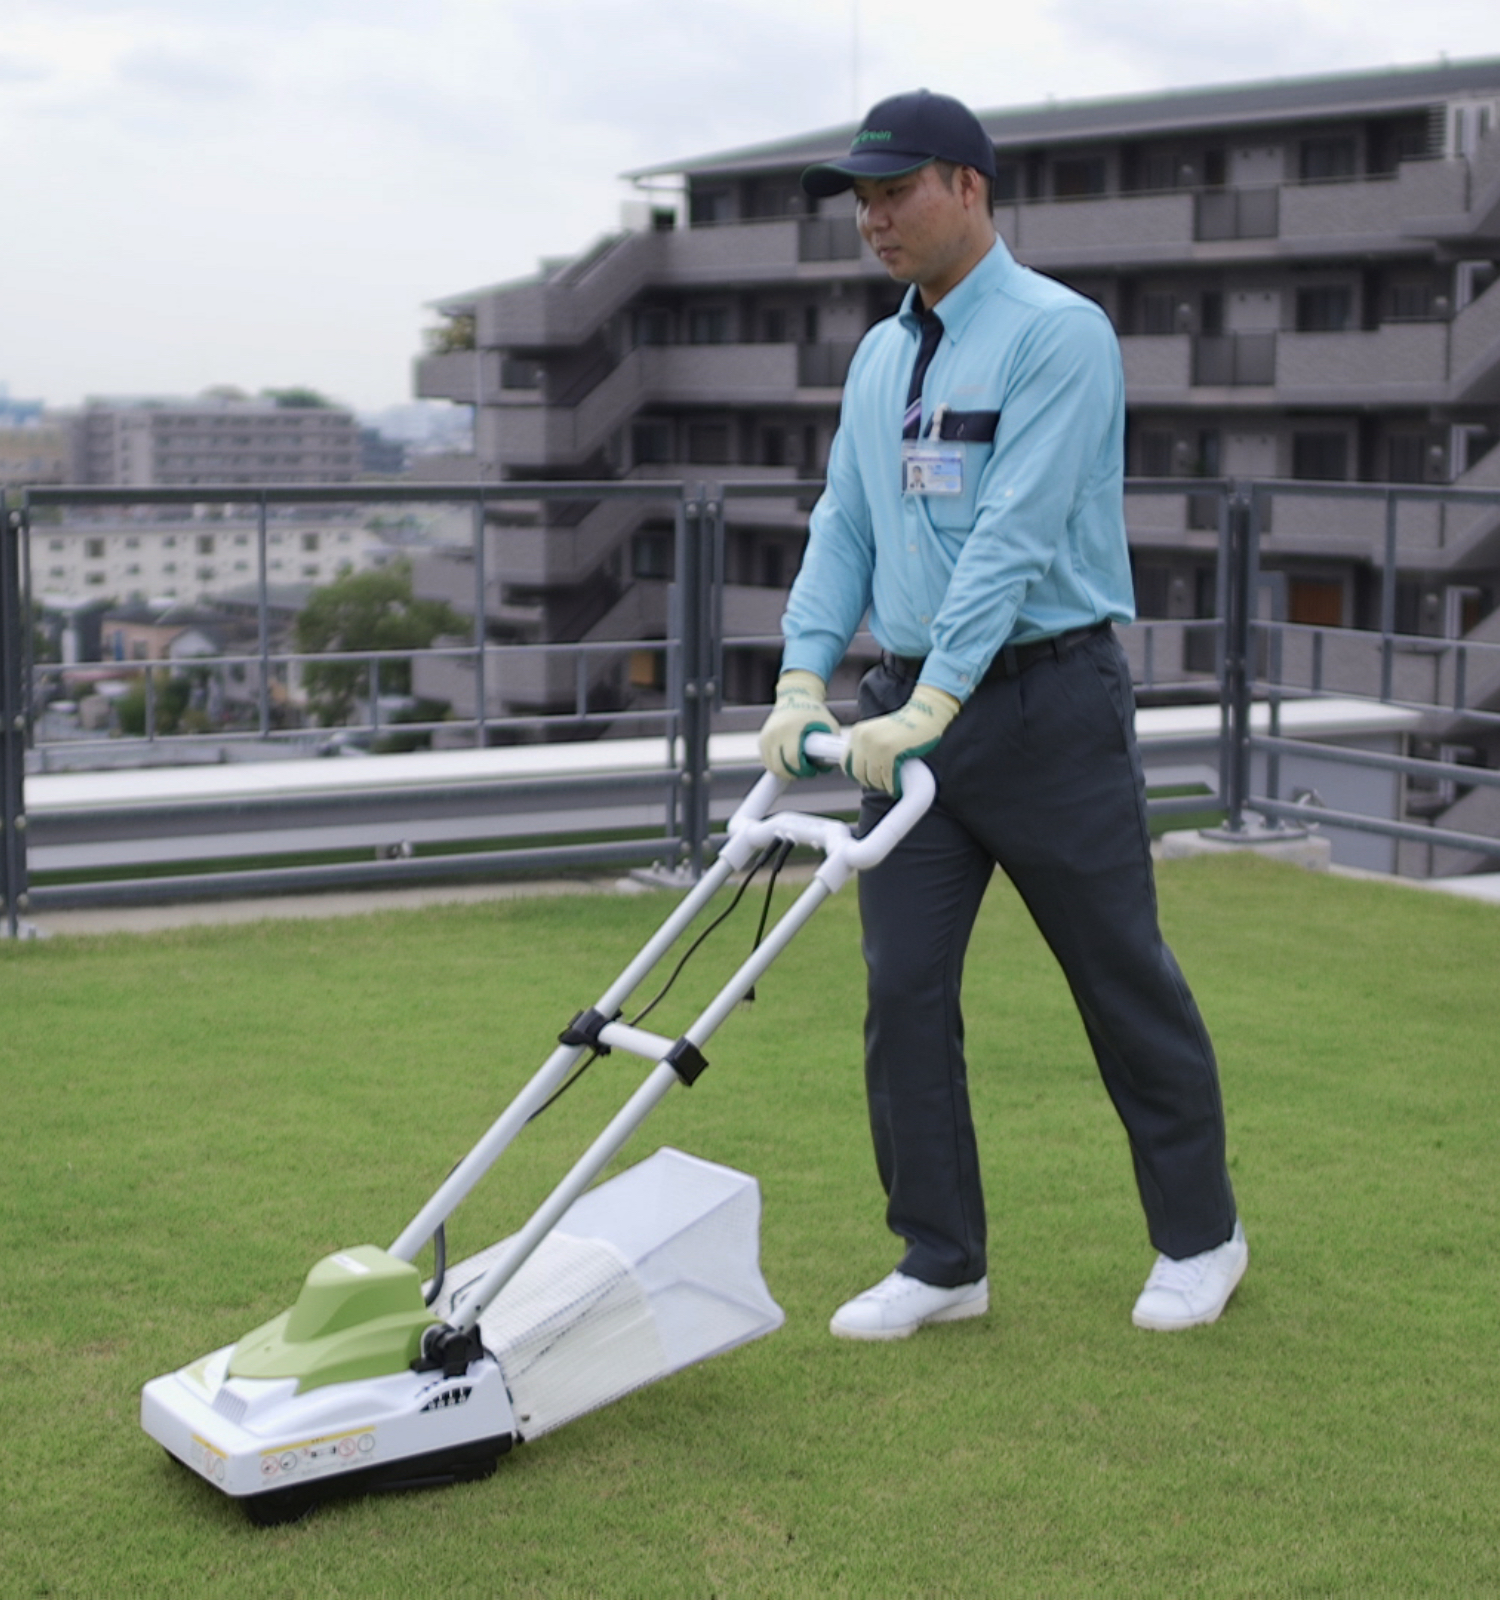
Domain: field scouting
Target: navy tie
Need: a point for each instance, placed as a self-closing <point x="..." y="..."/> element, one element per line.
<point x="932" y="332"/>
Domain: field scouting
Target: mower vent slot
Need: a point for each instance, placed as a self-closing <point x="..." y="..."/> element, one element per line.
<point x="230" y="1405"/>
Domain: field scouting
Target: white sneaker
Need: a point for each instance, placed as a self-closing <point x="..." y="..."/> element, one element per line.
<point x="897" y="1306"/>
<point x="1187" y="1293"/>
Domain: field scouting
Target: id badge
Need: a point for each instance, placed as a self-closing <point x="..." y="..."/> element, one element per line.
<point x="930" y="467"/>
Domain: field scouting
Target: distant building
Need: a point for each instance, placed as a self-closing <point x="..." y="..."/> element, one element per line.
<point x="214" y="440"/>
<point x="35" y="451"/>
<point x="134" y="559"/>
<point x="380" y="456"/>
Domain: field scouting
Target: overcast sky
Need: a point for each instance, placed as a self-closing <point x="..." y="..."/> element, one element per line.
<point x="268" y="192"/>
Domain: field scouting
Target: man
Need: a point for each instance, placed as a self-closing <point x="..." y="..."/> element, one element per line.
<point x="974" y="508"/>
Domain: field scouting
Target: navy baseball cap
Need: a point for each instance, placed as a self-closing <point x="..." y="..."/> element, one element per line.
<point x="900" y="135"/>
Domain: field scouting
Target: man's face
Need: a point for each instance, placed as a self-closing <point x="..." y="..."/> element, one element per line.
<point x="920" y="230"/>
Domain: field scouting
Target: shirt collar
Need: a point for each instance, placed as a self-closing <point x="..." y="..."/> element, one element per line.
<point x="958" y="306"/>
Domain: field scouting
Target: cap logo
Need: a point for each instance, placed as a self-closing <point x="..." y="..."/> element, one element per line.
<point x="872" y="136"/>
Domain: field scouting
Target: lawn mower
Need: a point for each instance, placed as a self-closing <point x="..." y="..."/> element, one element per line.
<point x="375" y="1380"/>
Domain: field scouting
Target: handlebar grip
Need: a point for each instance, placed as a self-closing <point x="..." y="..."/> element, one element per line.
<point x="831" y="748"/>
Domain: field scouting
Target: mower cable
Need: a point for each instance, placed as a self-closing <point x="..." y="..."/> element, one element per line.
<point x="776" y="848"/>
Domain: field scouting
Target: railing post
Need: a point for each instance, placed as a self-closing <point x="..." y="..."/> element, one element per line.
<point x="263" y="617"/>
<point x="15" y="623"/>
<point x="695" y="592"/>
<point x="1237" y="589"/>
<point x="480" y="630"/>
<point x="1388" y="599"/>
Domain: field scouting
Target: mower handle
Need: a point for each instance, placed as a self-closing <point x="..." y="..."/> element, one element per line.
<point x="750" y="827"/>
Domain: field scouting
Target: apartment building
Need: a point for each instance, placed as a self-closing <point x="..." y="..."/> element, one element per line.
<point x="213" y="440"/>
<point x="1303" y="275"/>
<point x="131" y="559"/>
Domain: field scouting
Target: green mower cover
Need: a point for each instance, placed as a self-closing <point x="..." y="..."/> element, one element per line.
<point x="359" y="1315"/>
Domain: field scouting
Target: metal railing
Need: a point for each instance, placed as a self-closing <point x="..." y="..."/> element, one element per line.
<point x="1243" y="656"/>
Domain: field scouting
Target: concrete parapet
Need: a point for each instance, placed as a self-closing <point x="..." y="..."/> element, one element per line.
<point x="1311" y="851"/>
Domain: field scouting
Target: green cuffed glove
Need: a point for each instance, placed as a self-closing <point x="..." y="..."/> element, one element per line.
<point x="800" y="709"/>
<point x="877" y="747"/>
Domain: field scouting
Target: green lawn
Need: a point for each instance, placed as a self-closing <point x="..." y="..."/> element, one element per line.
<point x="193" y="1118"/>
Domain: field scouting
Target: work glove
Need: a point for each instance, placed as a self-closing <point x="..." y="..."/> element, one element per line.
<point x="879" y="746"/>
<point x="800" y="709"/>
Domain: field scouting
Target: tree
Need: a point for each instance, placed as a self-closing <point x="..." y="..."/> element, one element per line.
<point x="298" y="399"/>
<point x="371" y="610"/>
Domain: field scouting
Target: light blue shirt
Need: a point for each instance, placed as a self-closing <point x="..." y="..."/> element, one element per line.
<point x="1033" y="546"/>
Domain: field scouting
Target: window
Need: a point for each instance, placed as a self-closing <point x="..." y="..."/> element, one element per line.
<point x="310" y="542"/>
<point x="93" y="549"/>
<point x="1078" y="176"/>
<point x="1007" y="183"/>
<point x="1326" y="308"/>
<point x="1406" y="458"/>
<point x="651" y="442"/>
<point x="651" y="555"/>
<point x="1327" y="158"/>
<point x="1158" y="311"/>
<point x="708" y="205"/>
<point x="1320" y="455"/>
<point x="773" y="325"/>
<point x="653" y="326"/>
<point x="1156" y="450"/>
<point x="708" y="443"/>
<point x="1316" y="602"/>
<point x="1152" y="587"/>
<point x="1159" y="170"/>
<point x="648" y="669"/>
<point x="205" y="544"/>
<point x="708" y="325"/>
<point x="1410" y="302"/>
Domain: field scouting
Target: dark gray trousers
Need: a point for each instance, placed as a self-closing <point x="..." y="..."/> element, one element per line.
<point x="1039" y="774"/>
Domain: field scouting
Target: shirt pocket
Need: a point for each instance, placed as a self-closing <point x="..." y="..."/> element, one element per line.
<point x="953" y="514"/>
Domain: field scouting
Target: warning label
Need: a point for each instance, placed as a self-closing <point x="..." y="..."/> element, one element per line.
<point x="314" y="1458"/>
<point x="213" y="1464"/>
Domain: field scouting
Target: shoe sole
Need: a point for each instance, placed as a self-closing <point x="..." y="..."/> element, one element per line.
<point x="1169" y="1325"/>
<point x="958" y="1313"/>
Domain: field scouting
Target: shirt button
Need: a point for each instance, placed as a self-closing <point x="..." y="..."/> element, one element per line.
<point x="912" y="548"/>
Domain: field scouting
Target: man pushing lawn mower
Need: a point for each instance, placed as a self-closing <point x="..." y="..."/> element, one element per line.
<point x="974" y="509"/>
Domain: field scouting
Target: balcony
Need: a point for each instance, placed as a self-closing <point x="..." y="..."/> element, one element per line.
<point x="1400" y="363"/>
<point x="1343" y="215"/>
<point x="1103" y="231"/>
<point x="451" y="376"/>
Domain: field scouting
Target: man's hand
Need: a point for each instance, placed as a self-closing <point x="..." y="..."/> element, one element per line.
<point x="878" y="746"/>
<point x="800" y="709"/>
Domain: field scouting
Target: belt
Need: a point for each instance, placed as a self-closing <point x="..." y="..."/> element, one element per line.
<point x="1012" y="660"/>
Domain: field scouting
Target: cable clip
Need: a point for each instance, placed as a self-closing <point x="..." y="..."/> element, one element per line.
<point x="585" y="1029"/>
